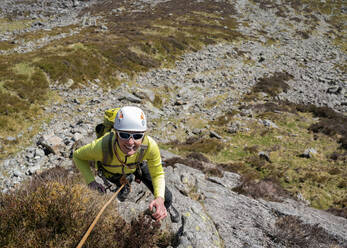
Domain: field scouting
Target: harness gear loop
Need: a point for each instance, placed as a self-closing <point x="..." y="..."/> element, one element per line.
<point x="107" y="154"/>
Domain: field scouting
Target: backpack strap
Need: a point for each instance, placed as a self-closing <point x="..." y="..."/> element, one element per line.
<point x="107" y="153"/>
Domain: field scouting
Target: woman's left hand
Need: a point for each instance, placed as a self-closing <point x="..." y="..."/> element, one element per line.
<point x="160" y="212"/>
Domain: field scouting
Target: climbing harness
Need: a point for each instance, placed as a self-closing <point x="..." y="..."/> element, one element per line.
<point x="83" y="240"/>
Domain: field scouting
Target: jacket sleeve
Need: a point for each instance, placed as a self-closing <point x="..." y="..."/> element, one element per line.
<point x="155" y="169"/>
<point x="82" y="156"/>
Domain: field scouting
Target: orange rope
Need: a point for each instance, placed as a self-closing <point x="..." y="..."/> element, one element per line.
<point x="97" y="218"/>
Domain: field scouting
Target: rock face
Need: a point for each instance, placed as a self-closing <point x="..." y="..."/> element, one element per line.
<point x="215" y="216"/>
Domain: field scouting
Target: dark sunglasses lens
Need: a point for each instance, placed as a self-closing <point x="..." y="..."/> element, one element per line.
<point x="138" y="136"/>
<point x="124" y="135"/>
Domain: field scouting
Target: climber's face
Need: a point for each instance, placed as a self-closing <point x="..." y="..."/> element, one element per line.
<point x="129" y="142"/>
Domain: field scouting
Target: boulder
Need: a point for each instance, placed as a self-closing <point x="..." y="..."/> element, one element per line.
<point x="53" y="143"/>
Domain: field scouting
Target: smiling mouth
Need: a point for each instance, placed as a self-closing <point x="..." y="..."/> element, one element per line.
<point x="129" y="147"/>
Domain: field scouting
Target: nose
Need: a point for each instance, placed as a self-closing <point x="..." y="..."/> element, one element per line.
<point x="131" y="140"/>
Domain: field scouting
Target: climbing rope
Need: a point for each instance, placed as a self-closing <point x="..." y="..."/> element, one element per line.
<point x="83" y="240"/>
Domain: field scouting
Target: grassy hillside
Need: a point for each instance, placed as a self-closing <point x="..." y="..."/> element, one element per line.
<point x="137" y="41"/>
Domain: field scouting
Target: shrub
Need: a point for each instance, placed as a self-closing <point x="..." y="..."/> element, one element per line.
<point x="274" y="84"/>
<point x="196" y="161"/>
<point x="198" y="156"/>
<point x="292" y="232"/>
<point x="194" y="144"/>
<point x="268" y="189"/>
<point x="138" y="233"/>
<point x="330" y="123"/>
<point x="55" y="210"/>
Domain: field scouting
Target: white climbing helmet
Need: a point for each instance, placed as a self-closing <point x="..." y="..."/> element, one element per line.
<point x="130" y="118"/>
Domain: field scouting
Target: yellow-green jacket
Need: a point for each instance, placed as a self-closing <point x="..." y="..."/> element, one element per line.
<point x="93" y="152"/>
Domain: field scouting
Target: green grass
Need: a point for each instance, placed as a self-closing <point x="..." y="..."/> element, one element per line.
<point x="11" y="25"/>
<point x="318" y="179"/>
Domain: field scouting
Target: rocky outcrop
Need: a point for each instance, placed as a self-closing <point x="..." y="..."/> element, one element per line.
<point x="213" y="215"/>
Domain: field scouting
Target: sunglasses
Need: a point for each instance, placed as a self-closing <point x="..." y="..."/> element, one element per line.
<point x="126" y="136"/>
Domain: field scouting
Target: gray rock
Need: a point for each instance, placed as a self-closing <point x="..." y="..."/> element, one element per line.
<point x="32" y="170"/>
<point x="39" y="153"/>
<point x="264" y="155"/>
<point x="18" y="173"/>
<point x="52" y="142"/>
<point x="130" y="98"/>
<point x="268" y="123"/>
<point x="229" y="180"/>
<point x="167" y="155"/>
<point x="213" y="134"/>
<point x="77" y="136"/>
<point x="11" y="138"/>
<point x="309" y="153"/>
<point x="234" y="128"/>
<point x="144" y="93"/>
<point x="197" y="131"/>
<point x="335" y="90"/>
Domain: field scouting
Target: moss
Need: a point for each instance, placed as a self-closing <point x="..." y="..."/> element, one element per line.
<point x="5" y="45"/>
<point x="6" y="24"/>
<point x="23" y="69"/>
<point x="77" y="64"/>
<point x="158" y="102"/>
<point x="29" y="88"/>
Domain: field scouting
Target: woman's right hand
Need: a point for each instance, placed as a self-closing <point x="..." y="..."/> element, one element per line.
<point x="97" y="186"/>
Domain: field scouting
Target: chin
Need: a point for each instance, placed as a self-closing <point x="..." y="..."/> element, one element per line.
<point x="131" y="153"/>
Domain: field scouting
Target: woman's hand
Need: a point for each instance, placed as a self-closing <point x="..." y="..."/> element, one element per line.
<point x="160" y="212"/>
<point x="97" y="186"/>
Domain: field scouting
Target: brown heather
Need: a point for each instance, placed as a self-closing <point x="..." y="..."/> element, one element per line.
<point x="55" y="210"/>
<point x="293" y="233"/>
